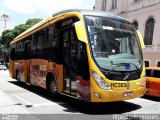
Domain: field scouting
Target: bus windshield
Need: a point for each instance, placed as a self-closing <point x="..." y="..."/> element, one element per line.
<point x="114" y="44"/>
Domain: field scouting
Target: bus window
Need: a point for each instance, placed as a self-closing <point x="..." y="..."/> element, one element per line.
<point x="12" y="54"/>
<point x="26" y="50"/>
<point x="82" y="61"/>
<point x="52" y="44"/>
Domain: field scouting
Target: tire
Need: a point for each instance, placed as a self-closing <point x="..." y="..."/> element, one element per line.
<point x="18" y="77"/>
<point x="52" y="87"/>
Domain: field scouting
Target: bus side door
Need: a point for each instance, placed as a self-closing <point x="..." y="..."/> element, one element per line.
<point x="69" y="60"/>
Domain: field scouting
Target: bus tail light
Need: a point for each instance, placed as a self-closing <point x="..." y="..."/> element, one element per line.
<point x="102" y="84"/>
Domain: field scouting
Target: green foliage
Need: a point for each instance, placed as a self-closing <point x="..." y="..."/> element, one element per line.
<point x="32" y="22"/>
<point x="9" y="35"/>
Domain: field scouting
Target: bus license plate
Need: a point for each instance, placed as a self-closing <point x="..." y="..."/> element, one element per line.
<point x="125" y="94"/>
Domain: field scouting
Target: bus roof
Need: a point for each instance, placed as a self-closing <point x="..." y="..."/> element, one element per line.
<point x="83" y="12"/>
<point x="92" y="13"/>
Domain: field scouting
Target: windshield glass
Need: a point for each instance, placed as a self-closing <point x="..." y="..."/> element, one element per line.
<point x="114" y="43"/>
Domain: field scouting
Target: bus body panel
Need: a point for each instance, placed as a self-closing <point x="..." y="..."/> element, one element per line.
<point x="12" y="71"/>
<point x="26" y="71"/>
<point x="38" y="72"/>
<point x="118" y="88"/>
<point x="20" y="70"/>
<point x="57" y="71"/>
<point x="83" y="89"/>
<point x="112" y="95"/>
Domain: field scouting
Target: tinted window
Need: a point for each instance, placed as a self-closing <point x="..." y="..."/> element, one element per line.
<point x="12" y="52"/>
<point x="148" y="73"/>
<point x="157" y="73"/>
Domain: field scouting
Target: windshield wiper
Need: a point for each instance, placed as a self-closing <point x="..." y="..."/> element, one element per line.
<point x="124" y="64"/>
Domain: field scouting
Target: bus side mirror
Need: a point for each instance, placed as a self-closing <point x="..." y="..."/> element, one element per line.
<point x="141" y="39"/>
<point x="80" y="31"/>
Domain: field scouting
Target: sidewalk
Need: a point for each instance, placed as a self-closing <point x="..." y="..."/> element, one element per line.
<point x="9" y="106"/>
<point x="12" y="110"/>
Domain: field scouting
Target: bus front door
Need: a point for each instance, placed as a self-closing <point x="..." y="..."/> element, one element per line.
<point x="69" y="61"/>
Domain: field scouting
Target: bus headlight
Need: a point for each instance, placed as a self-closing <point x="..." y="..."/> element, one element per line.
<point x="143" y="83"/>
<point x="101" y="83"/>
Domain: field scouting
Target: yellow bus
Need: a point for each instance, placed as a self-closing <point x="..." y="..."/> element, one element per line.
<point x="89" y="55"/>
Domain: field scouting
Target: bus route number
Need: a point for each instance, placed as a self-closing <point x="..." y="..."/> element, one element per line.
<point x="97" y="23"/>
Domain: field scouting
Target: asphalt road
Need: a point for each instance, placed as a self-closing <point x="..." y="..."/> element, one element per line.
<point x="34" y="100"/>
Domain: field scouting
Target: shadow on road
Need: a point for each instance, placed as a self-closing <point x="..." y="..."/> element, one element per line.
<point x="156" y="99"/>
<point x="74" y="105"/>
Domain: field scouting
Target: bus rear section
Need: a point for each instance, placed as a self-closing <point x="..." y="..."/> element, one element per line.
<point x="88" y="55"/>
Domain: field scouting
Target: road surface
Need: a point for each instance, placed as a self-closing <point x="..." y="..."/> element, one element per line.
<point x="23" y="99"/>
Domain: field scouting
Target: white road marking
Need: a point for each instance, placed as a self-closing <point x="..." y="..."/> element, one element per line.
<point x="37" y="105"/>
<point x="23" y="100"/>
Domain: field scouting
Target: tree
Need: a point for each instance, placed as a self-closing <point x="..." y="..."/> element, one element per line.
<point x="9" y="35"/>
<point x="20" y="28"/>
<point x="32" y="22"/>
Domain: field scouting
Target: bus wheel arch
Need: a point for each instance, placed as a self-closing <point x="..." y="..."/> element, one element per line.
<point x="51" y="84"/>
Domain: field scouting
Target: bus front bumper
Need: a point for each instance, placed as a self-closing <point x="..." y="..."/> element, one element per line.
<point x="111" y="95"/>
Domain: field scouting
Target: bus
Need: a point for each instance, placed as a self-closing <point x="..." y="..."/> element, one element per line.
<point x="88" y="55"/>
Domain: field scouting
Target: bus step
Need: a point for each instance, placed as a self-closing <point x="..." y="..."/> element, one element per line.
<point x="69" y="95"/>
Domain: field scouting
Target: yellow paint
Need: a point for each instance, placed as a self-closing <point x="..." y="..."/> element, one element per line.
<point x="141" y="39"/>
<point x="116" y="94"/>
<point x="26" y="70"/>
<point x="80" y="31"/>
<point x="60" y="81"/>
<point x="12" y="68"/>
<point x="50" y="66"/>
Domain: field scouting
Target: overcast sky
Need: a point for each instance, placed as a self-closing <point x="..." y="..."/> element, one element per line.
<point x="21" y="10"/>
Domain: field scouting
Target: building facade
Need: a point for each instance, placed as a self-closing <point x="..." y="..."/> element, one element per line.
<point x="145" y="15"/>
<point x="5" y="22"/>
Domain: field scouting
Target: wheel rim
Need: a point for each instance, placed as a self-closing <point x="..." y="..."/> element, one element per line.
<point x="53" y="86"/>
<point x="18" y="77"/>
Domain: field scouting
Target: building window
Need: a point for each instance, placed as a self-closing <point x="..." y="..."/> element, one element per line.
<point x="149" y="28"/>
<point x="147" y="63"/>
<point x="114" y="4"/>
<point x="104" y="2"/>
<point x="135" y="23"/>
<point x="158" y="64"/>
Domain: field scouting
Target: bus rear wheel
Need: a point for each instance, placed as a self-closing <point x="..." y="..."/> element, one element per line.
<point x="18" y="77"/>
<point x="52" y="87"/>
